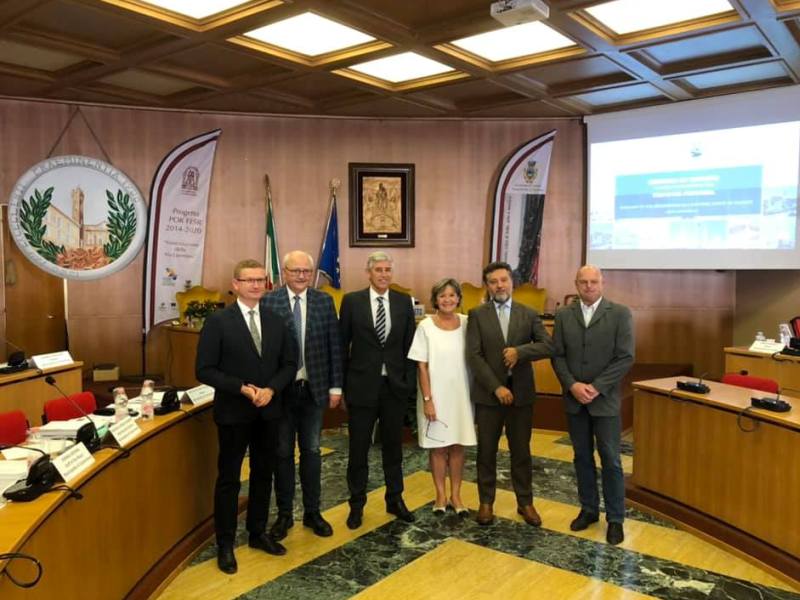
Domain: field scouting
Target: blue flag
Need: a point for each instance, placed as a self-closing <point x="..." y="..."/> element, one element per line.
<point x="329" y="256"/>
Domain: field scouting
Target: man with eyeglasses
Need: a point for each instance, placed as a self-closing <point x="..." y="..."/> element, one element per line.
<point x="248" y="355"/>
<point x="317" y="385"/>
<point x="377" y="329"/>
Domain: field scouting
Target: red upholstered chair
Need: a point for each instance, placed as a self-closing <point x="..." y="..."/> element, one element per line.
<point x="763" y="384"/>
<point x="13" y="428"/>
<point x="61" y="409"/>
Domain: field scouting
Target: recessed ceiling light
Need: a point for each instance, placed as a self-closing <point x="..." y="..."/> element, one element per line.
<point x="513" y="42"/>
<point x="310" y="34"/>
<point x="401" y="67"/>
<point x="196" y="9"/>
<point x="627" y="16"/>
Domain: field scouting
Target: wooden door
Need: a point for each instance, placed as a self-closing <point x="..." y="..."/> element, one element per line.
<point x="34" y="303"/>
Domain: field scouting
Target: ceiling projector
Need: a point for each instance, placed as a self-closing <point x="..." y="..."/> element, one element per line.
<point x="516" y="12"/>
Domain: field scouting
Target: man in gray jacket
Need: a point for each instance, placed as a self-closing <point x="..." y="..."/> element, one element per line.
<point x="594" y="348"/>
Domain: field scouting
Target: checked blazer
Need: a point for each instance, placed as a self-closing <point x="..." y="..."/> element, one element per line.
<point x="322" y="344"/>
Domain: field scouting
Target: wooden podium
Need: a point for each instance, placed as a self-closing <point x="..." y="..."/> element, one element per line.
<point x="732" y="474"/>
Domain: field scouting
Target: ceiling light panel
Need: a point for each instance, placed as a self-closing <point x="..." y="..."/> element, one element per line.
<point x="513" y="42"/>
<point x="310" y="35"/>
<point x="401" y="67"/>
<point x="196" y="9"/>
<point x="628" y="16"/>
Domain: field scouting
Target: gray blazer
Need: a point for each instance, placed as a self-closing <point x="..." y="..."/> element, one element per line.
<point x="599" y="354"/>
<point x="485" y="346"/>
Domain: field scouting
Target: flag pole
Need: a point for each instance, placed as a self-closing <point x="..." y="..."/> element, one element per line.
<point x="333" y="185"/>
<point x="271" y="259"/>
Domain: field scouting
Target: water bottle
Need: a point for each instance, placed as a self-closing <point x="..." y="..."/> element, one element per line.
<point x="120" y="404"/>
<point x="760" y="336"/>
<point x="147" y="400"/>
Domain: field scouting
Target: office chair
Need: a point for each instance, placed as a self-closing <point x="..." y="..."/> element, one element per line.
<point x="751" y="382"/>
<point x="13" y="428"/>
<point x="61" y="409"/>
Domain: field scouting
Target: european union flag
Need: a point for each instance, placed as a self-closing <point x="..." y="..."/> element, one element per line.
<point x="329" y="257"/>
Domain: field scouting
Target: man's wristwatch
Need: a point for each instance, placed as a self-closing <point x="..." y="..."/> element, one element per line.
<point x="426" y="398"/>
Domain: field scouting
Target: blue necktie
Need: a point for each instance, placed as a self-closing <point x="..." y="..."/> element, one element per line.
<point x="297" y="313"/>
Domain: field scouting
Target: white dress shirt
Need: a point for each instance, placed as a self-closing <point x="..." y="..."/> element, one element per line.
<point x="588" y="311"/>
<point x="246" y="314"/>
<point x="301" y="373"/>
<point x="373" y="303"/>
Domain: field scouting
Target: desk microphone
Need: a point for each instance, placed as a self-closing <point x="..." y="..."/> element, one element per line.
<point x="774" y="404"/>
<point x="41" y="477"/>
<point x="696" y="387"/>
<point x="16" y="360"/>
<point x="87" y="434"/>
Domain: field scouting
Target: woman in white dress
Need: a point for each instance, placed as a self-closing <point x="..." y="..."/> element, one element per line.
<point x="444" y="411"/>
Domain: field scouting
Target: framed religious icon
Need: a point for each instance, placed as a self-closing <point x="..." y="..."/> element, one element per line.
<point x="381" y="204"/>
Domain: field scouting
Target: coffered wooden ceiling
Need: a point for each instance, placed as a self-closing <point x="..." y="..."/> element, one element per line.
<point x="127" y="52"/>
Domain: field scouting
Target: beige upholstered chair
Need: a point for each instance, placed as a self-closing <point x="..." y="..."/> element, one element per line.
<point x="471" y="296"/>
<point x="531" y="296"/>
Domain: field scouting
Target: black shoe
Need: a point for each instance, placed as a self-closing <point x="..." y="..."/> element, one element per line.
<point x="355" y="518"/>
<point x="281" y="527"/>
<point x="317" y="524"/>
<point x="226" y="561"/>
<point x="583" y="520"/>
<point x="399" y="509"/>
<point x="615" y="535"/>
<point x="267" y="544"/>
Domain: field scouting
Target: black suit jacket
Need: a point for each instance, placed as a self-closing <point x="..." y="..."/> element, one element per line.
<point x="227" y="358"/>
<point x="363" y="354"/>
<point x="323" y="349"/>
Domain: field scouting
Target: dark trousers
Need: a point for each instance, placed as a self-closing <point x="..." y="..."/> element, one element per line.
<point x="389" y="414"/>
<point x="584" y="431"/>
<point x="302" y="421"/>
<point x="517" y="422"/>
<point x="234" y="440"/>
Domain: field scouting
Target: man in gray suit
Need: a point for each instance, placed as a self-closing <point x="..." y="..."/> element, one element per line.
<point x="594" y="349"/>
<point x="503" y="337"/>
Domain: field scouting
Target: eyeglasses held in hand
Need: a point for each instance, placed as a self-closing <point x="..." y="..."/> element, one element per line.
<point x="428" y="430"/>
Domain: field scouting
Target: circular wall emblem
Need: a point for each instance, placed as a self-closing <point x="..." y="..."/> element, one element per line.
<point x="77" y="217"/>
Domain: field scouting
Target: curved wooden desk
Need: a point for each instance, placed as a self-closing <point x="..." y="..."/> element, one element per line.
<point x="27" y="390"/>
<point x="782" y="368"/>
<point x="139" y="516"/>
<point x="692" y="462"/>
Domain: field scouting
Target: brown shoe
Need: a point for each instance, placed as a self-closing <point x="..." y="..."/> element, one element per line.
<point x="485" y="515"/>
<point x="530" y="515"/>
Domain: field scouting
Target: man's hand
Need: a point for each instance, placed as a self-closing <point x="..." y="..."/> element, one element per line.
<point x="504" y="395"/>
<point x="583" y="392"/>
<point x="510" y="357"/>
<point x="263" y="396"/>
<point x="248" y="391"/>
<point x="334" y="400"/>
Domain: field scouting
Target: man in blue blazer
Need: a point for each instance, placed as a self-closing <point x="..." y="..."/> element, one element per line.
<point x="317" y="385"/>
<point x="377" y="327"/>
<point x="594" y="348"/>
<point x="248" y="356"/>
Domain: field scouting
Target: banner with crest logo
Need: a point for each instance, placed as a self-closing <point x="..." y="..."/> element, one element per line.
<point x="519" y="208"/>
<point x="177" y="228"/>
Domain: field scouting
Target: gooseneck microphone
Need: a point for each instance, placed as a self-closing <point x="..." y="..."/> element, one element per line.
<point x="88" y="433"/>
<point x="16" y="360"/>
<point x="41" y="477"/>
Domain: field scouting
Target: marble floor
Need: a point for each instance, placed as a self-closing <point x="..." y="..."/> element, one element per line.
<point x="447" y="557"/>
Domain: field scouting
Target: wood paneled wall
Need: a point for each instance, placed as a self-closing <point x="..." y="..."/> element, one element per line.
<point x="680" y="316"/>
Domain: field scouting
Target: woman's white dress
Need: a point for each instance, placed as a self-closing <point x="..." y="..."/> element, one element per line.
<point x="447" y="365"/>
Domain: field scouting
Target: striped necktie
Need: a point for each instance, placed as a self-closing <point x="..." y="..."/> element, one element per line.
<point x="380" y="322"/>
<point x="254" y="331"/>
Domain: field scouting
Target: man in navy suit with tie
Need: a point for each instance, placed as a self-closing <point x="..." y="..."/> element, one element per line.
<point x="377" y="328"/>
<point x="317" y="385"/>
<point x="248" y="356"/>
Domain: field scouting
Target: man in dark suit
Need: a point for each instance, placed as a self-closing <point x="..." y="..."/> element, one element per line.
<point x="317" y="385"/>
<point x="503" y="337"/>
<point x="377" y="327"/>
<point x="594" y="348"/>
<point x="248" y="356"/>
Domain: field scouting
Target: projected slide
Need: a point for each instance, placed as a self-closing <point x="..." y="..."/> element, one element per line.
<point x="723" y="189"/>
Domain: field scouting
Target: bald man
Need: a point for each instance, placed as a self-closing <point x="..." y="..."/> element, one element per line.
<point x="594" y="348"/>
